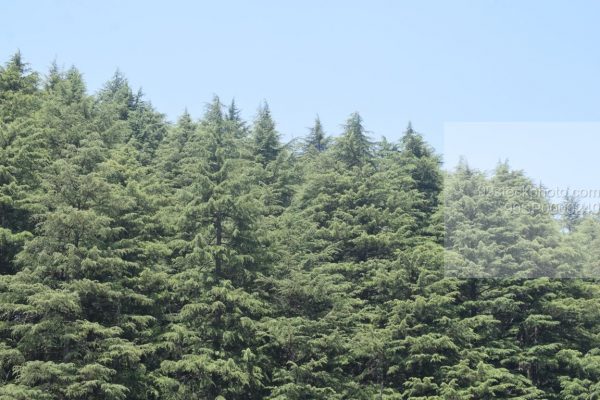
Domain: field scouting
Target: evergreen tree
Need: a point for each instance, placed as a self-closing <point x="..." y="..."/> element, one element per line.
<point x="220" y="255"/>
<point x="22" y="156"/>
<point x="265" y="138"/>
<point x="18" y="87"/>
<point x="144" y="127"/>
<point x="316" y="140"/>
<point x="423" y="166"/>
<point x="174" y="150"/>
<point x="72" y="311"/>
<point x="571" y="212"/>
<point x="354" y="147"/>
<point x="237" y="124"/>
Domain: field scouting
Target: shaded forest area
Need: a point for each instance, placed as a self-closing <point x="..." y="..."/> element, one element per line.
<point x="207" y="260"/>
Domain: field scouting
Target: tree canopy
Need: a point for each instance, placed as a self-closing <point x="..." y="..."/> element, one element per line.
<point x="207" y="259"/>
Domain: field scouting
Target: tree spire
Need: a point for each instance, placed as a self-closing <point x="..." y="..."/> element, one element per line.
<point x="266" y="138"/>
<point x="354" y="146"/>
<point x="316" y="140"/>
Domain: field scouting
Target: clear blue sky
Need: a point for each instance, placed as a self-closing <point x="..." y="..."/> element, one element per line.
<point x="430" y="62"/>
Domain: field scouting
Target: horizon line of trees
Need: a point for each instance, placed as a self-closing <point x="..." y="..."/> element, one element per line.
<point x="207" y="260"/>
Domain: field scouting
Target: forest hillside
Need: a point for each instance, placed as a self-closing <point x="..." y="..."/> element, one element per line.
<point x="207" y="259"/>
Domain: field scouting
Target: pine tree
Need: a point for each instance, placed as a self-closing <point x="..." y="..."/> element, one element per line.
<point x="174" y="150"/>
<point x="423" y="166"/>
<point x="571" y="212"/>
<point x="234" y="118"/>
<point x="354" y="147"/>
<point x="265" y="137"/>
<point x="72" y="310"/>
<point x="148" y="127"/>
<point x="142" y="126"/>
<point x="316" y="140"/>
<point x="22" y="156"/>
<point x="220" y="255"/>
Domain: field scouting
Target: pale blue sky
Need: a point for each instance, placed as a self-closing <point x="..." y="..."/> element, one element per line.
<point x="430" y="62"/>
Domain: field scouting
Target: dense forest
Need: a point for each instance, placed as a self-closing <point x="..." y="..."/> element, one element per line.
<point x="207" y="259"/>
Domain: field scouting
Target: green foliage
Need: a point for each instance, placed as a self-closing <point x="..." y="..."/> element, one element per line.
<point x="207" y="260"/>
<point x="316" y="141"/>
<point x="354" y="147"/>
<point x="265" y="138"/>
